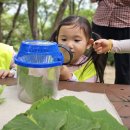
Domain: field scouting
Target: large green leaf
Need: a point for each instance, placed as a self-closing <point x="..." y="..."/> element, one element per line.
<point x="67" y="113"/>
<point x="77" y="123"/>
<point x="72" y="99"/>
<point x="45" y="121"/>
<point x="69" y="104"/>
<point x="63" y="105"/>
<point x="52" y="120"/>
<point x="107" y="121"/>
<point x="21" y="122"/>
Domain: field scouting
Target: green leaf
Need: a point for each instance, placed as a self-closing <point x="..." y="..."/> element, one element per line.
<point x="67" y="113"/>
<point x="77" y="123"/>
<point x="2" y="100"/>
<point x="63" y="105"/>
<point x="1" y="91"/>
<point x="72" y="99"/>
<point x="35" y="84"/>
<point x="21" y="122"/>
<point x="52" y="120"/>
<point x="107" y="121"/>
<point x="2" y="88"/>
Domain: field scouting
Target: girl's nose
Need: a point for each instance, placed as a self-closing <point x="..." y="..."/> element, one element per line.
<point x="70" y="45"/>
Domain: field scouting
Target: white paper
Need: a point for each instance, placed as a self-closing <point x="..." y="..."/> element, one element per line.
<point x="13" y="106"/>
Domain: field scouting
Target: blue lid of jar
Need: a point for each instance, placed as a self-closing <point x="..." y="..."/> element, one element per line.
<point x="39" y="54"/>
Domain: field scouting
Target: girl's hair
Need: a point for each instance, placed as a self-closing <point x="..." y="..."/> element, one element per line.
<point x="99" y="60"/>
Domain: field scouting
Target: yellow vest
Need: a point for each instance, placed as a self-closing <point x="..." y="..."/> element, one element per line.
<point x="6" y="54"/>
<point x="88" y="73"/>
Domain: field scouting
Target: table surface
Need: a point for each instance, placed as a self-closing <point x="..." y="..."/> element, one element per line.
<point x="119" y="95"/>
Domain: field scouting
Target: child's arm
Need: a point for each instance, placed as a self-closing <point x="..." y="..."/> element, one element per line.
<point x="6" y="73"/>
<point x="65" y="73"/>
<point x="9" y="73"/>
<point x="6" y="56"/>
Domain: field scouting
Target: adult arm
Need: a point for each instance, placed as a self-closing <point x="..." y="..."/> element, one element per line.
<point x="122" y="46"/>
<point x="115" y="46"/>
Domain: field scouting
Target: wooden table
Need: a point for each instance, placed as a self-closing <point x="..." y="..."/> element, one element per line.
<point x="119" y="95"/>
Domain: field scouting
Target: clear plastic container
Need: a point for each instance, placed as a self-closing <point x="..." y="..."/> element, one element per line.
<point x="38" y="67"/>
<point x="37" y="83"/>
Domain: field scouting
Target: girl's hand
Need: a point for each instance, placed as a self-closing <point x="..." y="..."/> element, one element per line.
<point x="102" y="46"/>
<point x="65" y="73"/>
<point x="5" y="73"/>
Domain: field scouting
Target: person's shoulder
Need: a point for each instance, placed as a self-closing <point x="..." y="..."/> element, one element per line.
<point x="6" y="49"/>
<point x="5" y="45"/>
<point x="2" y="44"/>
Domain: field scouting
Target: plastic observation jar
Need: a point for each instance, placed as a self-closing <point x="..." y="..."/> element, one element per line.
<point x="38" y="67"/>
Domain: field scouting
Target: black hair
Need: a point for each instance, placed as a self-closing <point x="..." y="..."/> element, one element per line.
<point x="98" y="59"/>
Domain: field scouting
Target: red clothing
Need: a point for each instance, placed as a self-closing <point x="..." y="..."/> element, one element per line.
<point x="113" y="13"/>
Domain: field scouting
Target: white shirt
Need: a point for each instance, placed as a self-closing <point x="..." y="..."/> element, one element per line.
<point x="121" y="46"/>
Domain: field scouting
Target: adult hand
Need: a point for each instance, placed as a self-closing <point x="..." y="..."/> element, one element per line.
<point x="102" y="46"/>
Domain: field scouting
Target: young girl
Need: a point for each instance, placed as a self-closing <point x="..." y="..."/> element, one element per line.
<point x="75" y="32"/>
<point x="6" y="61"/>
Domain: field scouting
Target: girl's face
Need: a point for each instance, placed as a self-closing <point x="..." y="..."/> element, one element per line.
<point x="75" y="39"/>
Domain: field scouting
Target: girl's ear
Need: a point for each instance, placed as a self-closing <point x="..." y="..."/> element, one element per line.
<point x="90" y="43"/>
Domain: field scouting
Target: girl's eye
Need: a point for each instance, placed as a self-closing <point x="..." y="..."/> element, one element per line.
<point x="63" y="39"/>
<point x="77" y="40"/>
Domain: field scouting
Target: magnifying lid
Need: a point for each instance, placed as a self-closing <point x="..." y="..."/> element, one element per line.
<point x="67" y="53"/>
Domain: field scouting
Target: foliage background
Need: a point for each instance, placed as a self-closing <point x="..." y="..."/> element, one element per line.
<point x="36" y="19"/>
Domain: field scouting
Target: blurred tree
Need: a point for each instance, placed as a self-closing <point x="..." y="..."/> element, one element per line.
<point x="38" y="19"/>
<point x="32" y="14"/>
<point x="60" y="13"/>
<point x="79" y="4"/>
<point x="43" y="15"/>
<point x="72" y="7"/>
<point x="13" y="24"/>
